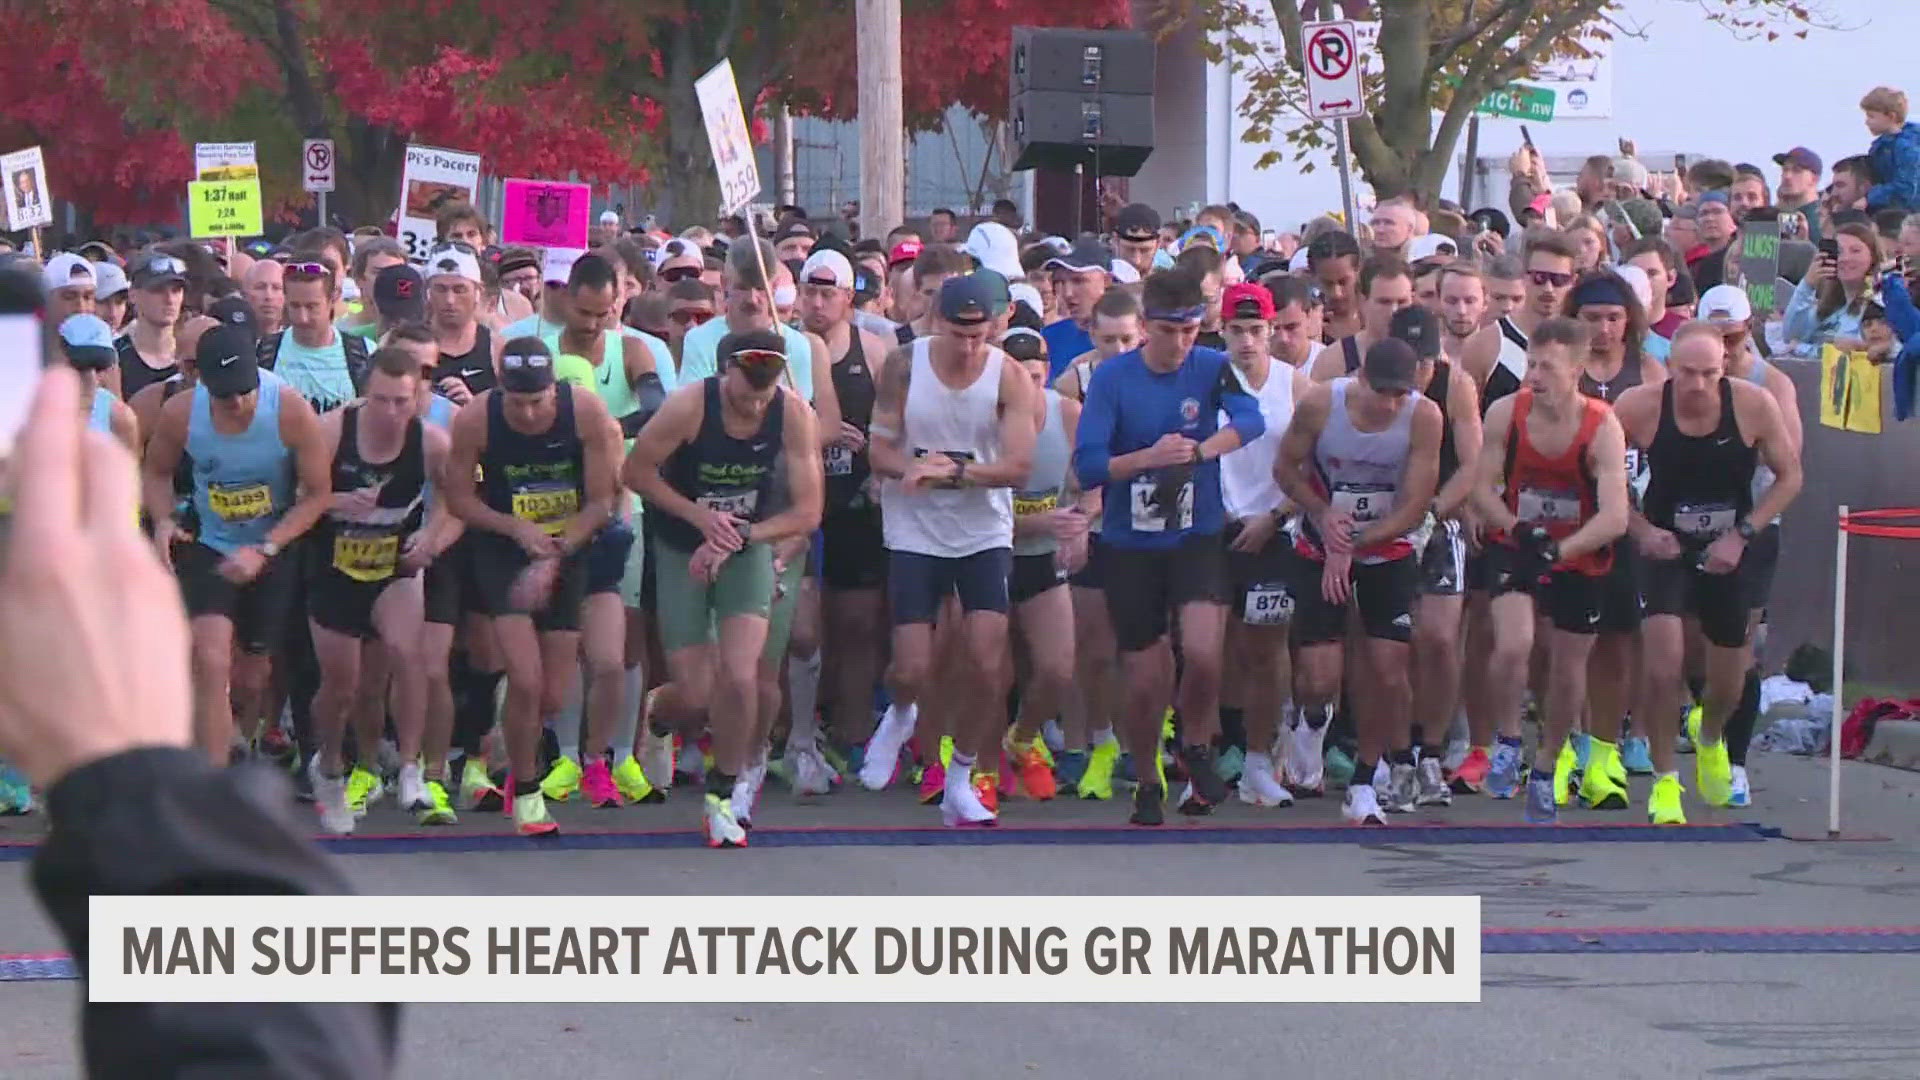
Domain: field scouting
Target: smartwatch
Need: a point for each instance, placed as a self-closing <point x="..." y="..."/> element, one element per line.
<point x="1746" y="530"/>
<point x="269" y="548"/>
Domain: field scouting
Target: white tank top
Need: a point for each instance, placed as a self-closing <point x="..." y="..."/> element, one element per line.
<point x="963" y="423"/>
<point x="1363" y="470"/>
<point x="1513" y="349"/>
<point x="1246" y="474"/>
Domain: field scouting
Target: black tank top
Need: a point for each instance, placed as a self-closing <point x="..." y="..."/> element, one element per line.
<point x="721" y="472"/>
<point x="369" y="549"/>
<point x="473" y="367"/>
<point x="135" y="375"/>
<point x="540" y="477"/>
<point x="1501" y="381"/>
<point x="1350" y="345"/>
<point x="1701" y="485"/>
<point x="1437" y="393"/>
<point x="847" y="470"/>
<point x="1610" y="391"/>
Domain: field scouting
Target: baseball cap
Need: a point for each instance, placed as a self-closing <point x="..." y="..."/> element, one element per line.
<point x="826" y="268"/>
<point x="964" y="300"/>
<point x="1636" y="280"/>
<point x="608" y="217"/>
<point x="400" y="294"/>
<point x="158" y="268"/>
<point x="96" y="251"/>
<point x="526" y="366"/>
<point x="792" y="229"/>
<point x="1022" y="293"/>
<point x="1629" y="171"/>
<point x="1540" y="204"/>
<point x="1431" y="244"/>
<point x="1088" y="254"/>
<point x="999" y="290"/>
<point x="236" y="312"/>
<point x="1802" y="157"/>
<point x="993" y="246"/>
<point x="1246" y="301"/>
<point x="1123" y="272"/>
<point x="1137" y="222"/>
<point x="866" y="285"/>
<point x="108" y="280"/>
<point x="904" y="252"/>
<point x="258" y="249"/>
<point x="1390" y="365"/>
<point x="1023" y="343"/>
<point x="556" y="267"/>
<point x="454" y="261"/>
<point x="1706" y="197"/>
<point x="1419" y="328"/>
<point x="67" y="269"/>
<point x="758" y="348"/>
<point x="88" y="342"/>
<point x="1725" y="305"/>
<point x="517" y="259"/>
<point x="226" y="361"/>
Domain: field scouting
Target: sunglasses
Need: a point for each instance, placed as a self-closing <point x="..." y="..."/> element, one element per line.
<point x="166" y="264"/>
<point x="759" y="357"/>
<point x="1550" y="277"/>
<point x="680" y="273"/>
<point x="311" y="269"/>
<point x="691" y="318"/>
<point x="525" y="360"/>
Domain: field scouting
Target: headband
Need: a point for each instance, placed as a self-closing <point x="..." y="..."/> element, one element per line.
<point x="1178" y="315"/>
<point x="1600" y="290"/>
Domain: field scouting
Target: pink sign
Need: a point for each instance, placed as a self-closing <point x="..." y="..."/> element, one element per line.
<point x="542" y="213"/>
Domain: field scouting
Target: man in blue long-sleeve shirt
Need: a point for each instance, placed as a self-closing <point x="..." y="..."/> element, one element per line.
<point x="1149" y="437"/>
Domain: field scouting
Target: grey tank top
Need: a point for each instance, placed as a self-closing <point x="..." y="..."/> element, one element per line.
<point x="1363" y="470"/>
<point x="1045" y="481"/>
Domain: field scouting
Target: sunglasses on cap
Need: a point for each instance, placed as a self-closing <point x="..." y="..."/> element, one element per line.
<point x="691" y="318"/>
<point x="312" y="269"/>
<point x="164" y="264"/>
<point x="1550" y="277"/>
<point x="759" y="357"/>
<point x="517" y="361"/>
<point x="681" y="273"/>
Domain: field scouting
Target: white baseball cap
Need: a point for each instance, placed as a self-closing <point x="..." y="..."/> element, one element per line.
<point x="1124" y="273"/>
<point x="827" y="264"/>
<point x="608" y="217"/>
<point x="1429" y="245"/>
<point x="66" y="269"/>
<point x="1724" y="305"/>
<point x="994" y="246"/>
<point x="455" y="262"/>
<point x="1636" y="278"/>
<point x="109" y="280"/>
<point x="1020" y="291"/>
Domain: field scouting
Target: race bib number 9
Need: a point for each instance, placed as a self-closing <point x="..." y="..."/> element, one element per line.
<point x="246" y="502"/>
<point x="1546" y="506"/>
<point x="548" y="508"/>
<point x="366" y="558"/>
<point x="1704" y="520"/>
<point x="1149" y="516"/>
<point x="839" y="461"/>
<point x="740" y="504"/>
<point x="1267" y="605"/>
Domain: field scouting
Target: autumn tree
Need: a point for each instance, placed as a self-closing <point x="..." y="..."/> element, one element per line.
<point x="1437" y="60"/>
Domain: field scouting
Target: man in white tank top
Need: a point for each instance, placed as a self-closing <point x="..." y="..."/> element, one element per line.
<point x="952" y="433"/>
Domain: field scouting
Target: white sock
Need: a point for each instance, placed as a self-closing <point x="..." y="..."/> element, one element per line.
<point x="633" y="685"/>
<point x="960" y="773"/>
<point x="803" y="695"/>
<point x="566" y="725"/>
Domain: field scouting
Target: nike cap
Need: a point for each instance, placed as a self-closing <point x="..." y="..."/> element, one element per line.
<point x="226" y="361"/>
<point x="526" y="366"/>
<point x="400" y="294"/>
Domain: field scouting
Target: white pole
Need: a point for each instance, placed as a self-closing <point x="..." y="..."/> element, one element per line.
<point x="1839" y="667"/>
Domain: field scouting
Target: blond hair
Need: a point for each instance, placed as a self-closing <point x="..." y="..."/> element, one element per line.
<point x="1885" y="99"/>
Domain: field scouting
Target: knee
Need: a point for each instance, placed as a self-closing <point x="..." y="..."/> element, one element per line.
<point x="212" y="662"/>
<point x="908" y="676"/>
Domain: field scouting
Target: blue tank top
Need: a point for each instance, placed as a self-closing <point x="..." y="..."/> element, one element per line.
<point x="440" y="412"/>
<point x="101" y="418"/>
<point x="243" y="483"/>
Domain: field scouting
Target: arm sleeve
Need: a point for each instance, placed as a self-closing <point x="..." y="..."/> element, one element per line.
<point x="1093" y="443"/>
<point x="165" y="822"/>
<point x="1800" y="321"/>
<point x="1902" y="316"/>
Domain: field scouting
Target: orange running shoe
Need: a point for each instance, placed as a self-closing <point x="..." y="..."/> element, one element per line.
<point x="987" y="787"/>
<point x="1471" y="776"/>
<point x="1035" y="775"/>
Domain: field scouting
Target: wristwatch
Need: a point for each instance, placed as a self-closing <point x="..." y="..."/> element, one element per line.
<point x="269" y="549"/>
<point x="1745" y="529"/>
<point x="1199" y="455"/>
<point x="746" y="533"/>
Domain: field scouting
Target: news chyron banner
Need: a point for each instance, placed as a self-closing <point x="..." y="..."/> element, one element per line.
<point x="777" y="949"/>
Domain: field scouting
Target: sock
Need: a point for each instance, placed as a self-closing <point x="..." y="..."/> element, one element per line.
<point x="1697" y="686"/>
<point x="566" y="723"/>
<point x="1318" y="716"/>
<point x="525" y="787"/>
<point x="473" y="715"/>
<point x="1362" y="774"/>
<point x="1233" y="728"/>
<point x="1507" y="740"/>
<point x="1432" y="750"/>
<point x="1100" y="736"/>
<point x="960" y="770"/>
<point x="1401" y="757"/>
<point x="803" y="696"/>
<point x="1739" y="729"/>
<point x="633" y="694"/>
<point x="719" y="783"/>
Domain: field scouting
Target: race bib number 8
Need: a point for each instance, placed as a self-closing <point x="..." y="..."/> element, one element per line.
<point x="1149" y="516"/>
<point x="548" y="508"/>
<point x="1267" y="605"/>
<point x="366" y="558"/>
<point x="1547" y="506"/>
<point x="839" y="461"/>
<point x="248" y="502"/>
<point x="1363" y="505"/>
<point x="1703" y="520"/>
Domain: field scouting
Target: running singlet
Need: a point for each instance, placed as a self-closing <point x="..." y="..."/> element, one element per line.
<point x="1247" y="487"/>
<point x="963" y="424"/>
<point x="1609" y="392"/>
<point x="720" y="472"/>
<point x="1762" y="476"/>
<point x="1361" y="473"/>
<point x="847" y="469"/>
<point x="1509" y="365"/>
<point x="1040" y="493"/>
<point x="473" y="367"/>
<point x="1556" y="492"/>
<point x="135" y="375"/>
<point x="1437" y="388"/>
<point x="365" y="544"/>
<point x="1702" y="485"/>
<point x="100" y="414"/>
<point x="541" y="477"/>
<point x="243" y="483"/>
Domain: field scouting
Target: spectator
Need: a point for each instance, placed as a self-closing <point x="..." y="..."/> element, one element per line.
<point x="1828" y="303"/>
<point x="1799" y="190"/>
<point x="1711" y="174"/>
<point x="1594" y="185"/>
<point x="1895" y="153"/>
<point x="1629" y="178"/>
<point x="1527" y="181"/>
<point x="1903" y="320"/>
<point x="1683" y="229"/>
<point x="1708" y="261"/>
<point x="1589" y="239"/>
<point x="1749" y="191"/>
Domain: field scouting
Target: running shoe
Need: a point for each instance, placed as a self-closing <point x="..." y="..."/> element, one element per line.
<point x="1191" y="803"/>
<point x="596" y="783"/>
<point x="883" y="750"/>
<point x="1146" y="805"/>
<point x="477" y="789"/>
<point x="16" y="792"/>
<point x="1503" y="772"/>
<point x="1229" y="763"/>
<point x="1401" y="791"/>
<point x="1564" y="766"/>
<point x="844" y="763"/>
<point x="933" y="784"/>
<point x="413" y="788"/>
<point x="745" y="794"/>
<point x="961" y="806"/>
<point x="656" y="760"/>
<point x="1097" y="781"/>
<point x="530" y="817"/>
<point x="1542" y="806"/>
<point x="1611" y="762"/>
<point x="1431" y="788"/>
<point x="1740" y="793"/>
<point x="1030" y="768"/>
<point x="1663" y="804"/>
<point x="986" y="787"/>
<point x="1600" y="791"/>
<point x="1471" y="777"/>
<point x="1636" y="756"/>
<point x="1689" y="738"/>
<point x="1259" y="784"/>
<point x="1362" y="806"/>
<point x="1712" y="772"/>
<point x="1068" y="767"/>
<point x="439" y="808"/>
<point x="632" y="783"/>
<point x="1203" y="776"/>
<point x="562" y="781"/>
<point x="718" y="826"/>
<point x="1306" y="759"/>
<point x="810" y="773"/>
<point x="1053" y="736"/>
<point x="1339" y="767"/>
<point x="330" y="798"/>
<point x="363" y="788"/>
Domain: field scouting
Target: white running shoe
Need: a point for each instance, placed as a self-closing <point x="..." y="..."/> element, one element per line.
<point x="718" y="825"/>
<point x="656" y="759"/>
<point x="746" y="789"/>
<point x="1258" y="784"/>
<point x="1431" y="787"/>
<point x="1056" y="738"/>
<point x="1740" y="789"/>
<point x="413" y="788"/>
<point x="811" y="773"/>
<point x="1306" y="757"/>
<point x="960" y="807"/>
<point x="1402" y="789"/>
<point x="1362" y="806"/>
<point x="330" y="796"/>
<point x="883" y="750"/>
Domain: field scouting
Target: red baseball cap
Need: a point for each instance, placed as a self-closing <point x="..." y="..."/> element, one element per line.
<point x="903" y="252"/>
<point x="1246" y="301"/>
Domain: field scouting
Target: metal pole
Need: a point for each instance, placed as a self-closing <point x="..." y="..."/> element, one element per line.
<point x="1839" y="669"/>
<point x="323" y="210"/>
<point x="1346" y="176"/>
<point x="1472" y="164"/>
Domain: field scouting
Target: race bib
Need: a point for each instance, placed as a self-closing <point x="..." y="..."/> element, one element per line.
<point x="242" y="502"/>
<point x="548" y="508"/>
<point x="366" y="557"/>
<point x="738" y="503"/>
<point x="1364" y="504"/>
<point x="1150" y="516"/>
<point x="1029" y="504"/>
<point x="1267" y="605"/>
<point x="839" y="461"/>
<point x="1704" y="521"/>
<point x="1545" y="506"/>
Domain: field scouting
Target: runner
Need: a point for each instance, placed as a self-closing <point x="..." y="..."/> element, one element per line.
<point x="1703" y="435"/>
<point x="87" y="344"/>
<point x="453" y="302"/>
<point x="1297" y="315"/>
<point x="1150" y="439"/>
<point x="1362" y="460"/>
<point x="930" y="270"/>
<point x="70" y="285"/>
<point x="1552" y="492"/>
<point x="548" y="454"/>
<point x="373" y="260"/>
<point x="1087" y="272"/>
<point x="326" y="366"/>
<point x="1333" y="259"/>
<point x="1463" y="307"/>
<point x="259" y="483"/>
<point x="952" y="434"/>
<point x="110" y="296"/>
<point x="364" y="583"/>
<point x="1386" y="286"/>
<point x="148" y="349"/>
<point x="265" y="290"/>
<point x="706" y="464"/>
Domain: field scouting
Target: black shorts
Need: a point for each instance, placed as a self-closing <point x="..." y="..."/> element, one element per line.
<point x="1144" y="585"/>
<point x="1479" y="571"/>
<point x="649" y="585"/>
<point x="1758" y="565"/>
<point x="259" y="610"/>
<point x="1261" y="581"/>
<point x="854" y="552"/>
<point x="1443" y="563"/>
<point x="451" y="589"/>
<point x="1623" y="601"/>
<point x="606" y="556"/>
<point x="497" y="561"/>
<point x="1093" y="574"/>
<point x="1384" y="593"/>
<point x="1032" y="575"/>
<point x="916" y="584"/>
<point x="1719" y="601"/>
<point x="1571" y="601"/>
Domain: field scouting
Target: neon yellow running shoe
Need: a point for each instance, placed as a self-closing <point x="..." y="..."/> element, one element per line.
<point x="946" y="751"/>
<point x="633" y="783"/>
<point x="476" y="787"/>
<point x="1603" y="786"/>
<point x="1713" y="773"/>
<point x="1692" y="725"/>
<point x="1097" y="781"/>
<point x="1616" y="769"/>
<point x="1663" y="805"/>
<point x="1563" y="767"/>
<point x="439" y="808"/>
<point x="363" y="787"/>
<point x="530" y="817"/>
<point x="562" y="781"/>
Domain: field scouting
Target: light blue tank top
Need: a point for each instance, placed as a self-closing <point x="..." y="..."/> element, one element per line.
<point x="1045" y="479"/>
<point x="101" y="418"/>
<point x="439" y="414"/>
<point x="242" y="484"/>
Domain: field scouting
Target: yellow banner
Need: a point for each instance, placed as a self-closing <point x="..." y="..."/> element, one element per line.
<point x="1849" y="391"/>
<point x="223" y="208"/>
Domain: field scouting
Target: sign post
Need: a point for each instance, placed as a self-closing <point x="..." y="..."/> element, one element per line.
<point x="432" y="178"/>
<point x="316" y="163"/>
<point x="732" y="150"/>
<point x="1334" y="90"/>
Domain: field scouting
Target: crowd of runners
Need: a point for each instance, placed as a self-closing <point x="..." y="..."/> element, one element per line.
<point x="1169" y="515"/>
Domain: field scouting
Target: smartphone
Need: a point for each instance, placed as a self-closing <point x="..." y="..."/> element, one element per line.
<point x="1525" y="138"/>
<point x="1830" y="248"/>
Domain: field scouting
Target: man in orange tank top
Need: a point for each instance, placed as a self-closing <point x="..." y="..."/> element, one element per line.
<point x="1552" y="491"/>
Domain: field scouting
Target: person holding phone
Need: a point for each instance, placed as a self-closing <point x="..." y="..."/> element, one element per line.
<point x="1827" y="305"/>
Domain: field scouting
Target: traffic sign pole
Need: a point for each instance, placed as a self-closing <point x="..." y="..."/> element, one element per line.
<point x="322" y="196"/>
<point x="1335" y="90"/>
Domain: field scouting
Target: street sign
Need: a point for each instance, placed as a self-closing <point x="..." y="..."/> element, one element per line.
<point x="1333" y="71"/>
<point x="1520" y="102"/>
<point x="316" y="157"/>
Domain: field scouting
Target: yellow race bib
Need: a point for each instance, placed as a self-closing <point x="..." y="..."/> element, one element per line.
<point x="1027" y="507"/>
<point x="246" y="502"/>
<point x="366" y="558"/>
<point x="548" y="508"/>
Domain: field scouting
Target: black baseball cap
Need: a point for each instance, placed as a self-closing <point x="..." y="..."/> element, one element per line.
<point x="1390" y="365"/>
<point x="1419" y="328"/>
<point x="158" y="268"/>
<point x="526" y="366"/>
<point x="234" y="311"/>
<point x="1088" y="254"/>
<point x="225" y="357"/>
<point x="753" y="348"/>
<point x="1137" y="222"/>
<point x="965" y="300"/>
<point x="792" y="229"/>
<point x="399" y="294"/>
